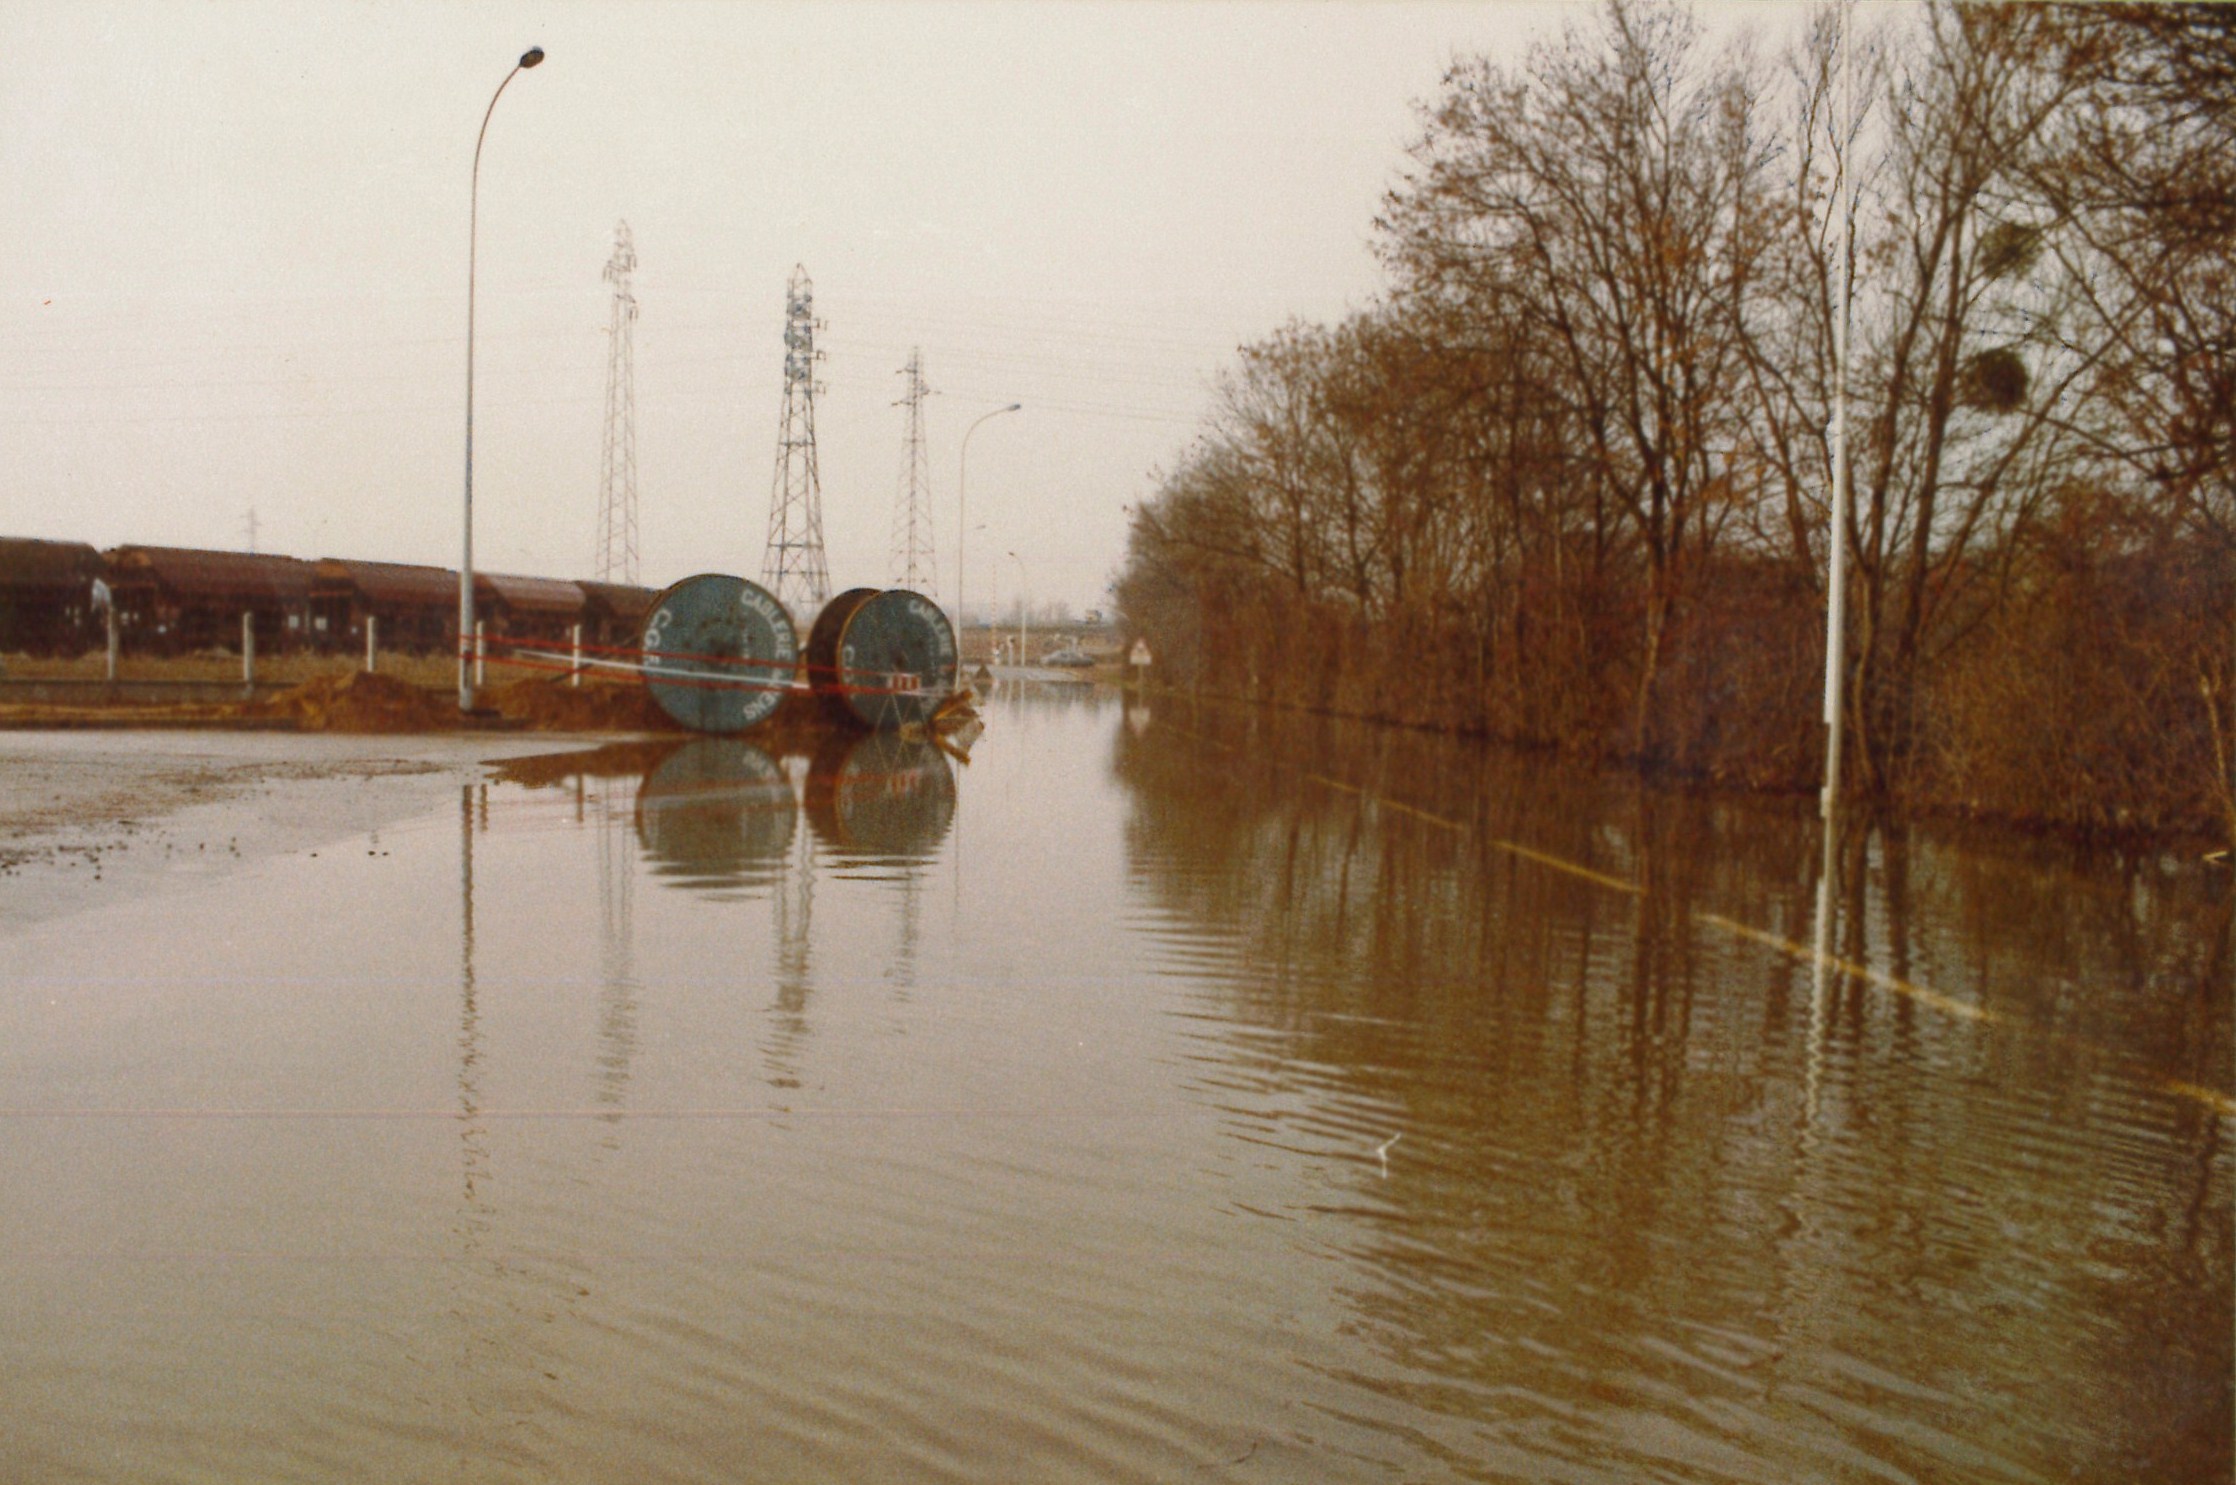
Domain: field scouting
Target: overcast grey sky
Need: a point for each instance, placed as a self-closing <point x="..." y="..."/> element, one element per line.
<point x="234" y="257"/>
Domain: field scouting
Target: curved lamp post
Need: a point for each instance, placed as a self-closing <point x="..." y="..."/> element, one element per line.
<point x="528" y="58"/>
<point x="962" y="472"/>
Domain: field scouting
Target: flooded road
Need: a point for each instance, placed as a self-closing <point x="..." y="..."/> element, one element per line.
<point x="1175" y="1095"/>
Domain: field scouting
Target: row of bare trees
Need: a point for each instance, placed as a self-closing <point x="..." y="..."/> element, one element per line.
<point x="1568" y="482"/>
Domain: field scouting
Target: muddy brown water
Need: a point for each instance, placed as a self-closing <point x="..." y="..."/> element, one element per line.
<point x="1168" y="1095"/>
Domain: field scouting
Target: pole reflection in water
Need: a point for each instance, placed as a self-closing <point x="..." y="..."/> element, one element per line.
<point x="881" y="802"/>
<point x="617" y="996"/>
<point x="469" y="1016"/>
<point x="795" y="938"/>
<point x="1820" y="968"/>
<point x="718" y="817"/>
<point x="477" y="1343"/>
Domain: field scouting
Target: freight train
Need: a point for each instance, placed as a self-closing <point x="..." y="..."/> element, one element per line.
<point x="56" y="598"/>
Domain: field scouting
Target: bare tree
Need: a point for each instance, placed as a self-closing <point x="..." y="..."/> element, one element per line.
<point x="1573" y="469"/>
<point x="2140" y="176"/>
<point x="2140" y="179"/>
<point x="1609" y="192"/>
<point x="1963" y="369"/>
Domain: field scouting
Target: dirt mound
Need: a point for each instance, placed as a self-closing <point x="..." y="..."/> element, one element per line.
<point x="549" y="704"/>
<point x="361" y="701"/>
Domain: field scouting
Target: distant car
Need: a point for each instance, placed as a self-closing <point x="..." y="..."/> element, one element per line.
<point x="1070" y="656"/>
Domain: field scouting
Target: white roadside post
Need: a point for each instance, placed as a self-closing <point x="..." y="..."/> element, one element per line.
<point x="1836" y="557"/>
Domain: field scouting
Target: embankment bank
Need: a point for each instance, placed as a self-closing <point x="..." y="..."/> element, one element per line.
<point x="2198" y="832"/>
<point x="351" y="701"/>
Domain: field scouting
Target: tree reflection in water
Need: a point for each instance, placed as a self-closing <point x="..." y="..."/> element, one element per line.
<point x="1651" y="1164"/>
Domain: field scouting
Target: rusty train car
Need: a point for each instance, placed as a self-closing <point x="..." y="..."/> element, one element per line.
<point x="47" y="596"/>
<point x="174" y="600"/>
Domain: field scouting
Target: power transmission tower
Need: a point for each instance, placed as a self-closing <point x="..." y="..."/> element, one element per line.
<point x="617" y="482"/>
<point x="793" y="568"/>
<point x="913" y="566"/>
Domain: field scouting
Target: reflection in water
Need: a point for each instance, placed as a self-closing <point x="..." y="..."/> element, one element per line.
<point x="880" y="796"/>
<point x="476" y="1357"/>
<point x="469" y="1016"/>
<point x="1297" y="1101"/>
<point x="1138" y="713"/>
<point x="795" y="931"/>
<point x="617" y="992"/>
<point x="1676" y="1201"/>
<point x="884" y="800"/>
<point x="719" y="817"/>
<point x="716" y="815"/>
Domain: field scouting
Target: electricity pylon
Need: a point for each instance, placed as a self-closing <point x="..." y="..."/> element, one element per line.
<point x="913" y="566"/>
<point x="793" y="568"/>
<point x="617" y="480"/>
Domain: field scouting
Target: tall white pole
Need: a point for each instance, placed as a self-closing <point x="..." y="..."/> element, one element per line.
<point x="529" y="58"/>
<point x="1836" y="575"/>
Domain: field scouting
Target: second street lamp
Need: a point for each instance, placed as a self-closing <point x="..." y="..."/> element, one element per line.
<point x="962" y="517"/>
<point x="528" y="58"/>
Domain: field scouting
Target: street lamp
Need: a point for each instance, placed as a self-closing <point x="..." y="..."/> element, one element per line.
<point x="962" y="471"/>
<point x="528" y="58"/>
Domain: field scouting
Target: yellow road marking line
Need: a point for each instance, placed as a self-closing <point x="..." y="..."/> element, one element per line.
<point x="1321" y="778"/>
<point x="1437" y="820"/>
<point x="1963" y="1010"/>
<point x="1573" y="868"/>
<point x="2212" y="1098"/>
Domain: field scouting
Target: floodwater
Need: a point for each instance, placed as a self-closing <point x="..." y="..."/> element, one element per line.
<point x="1168" y="1095"/>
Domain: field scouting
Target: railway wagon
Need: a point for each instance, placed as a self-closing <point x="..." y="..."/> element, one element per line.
<point x="46" y="597"/>
<point x="613" y="613"/>
<point x="170" y="600"/>
<point x="411" y="608"/>
<point x="526" y="610"/>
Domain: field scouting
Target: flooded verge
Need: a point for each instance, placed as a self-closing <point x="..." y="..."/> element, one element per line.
<point x="88" y="819"/>
<point x="1164" y="1095"/>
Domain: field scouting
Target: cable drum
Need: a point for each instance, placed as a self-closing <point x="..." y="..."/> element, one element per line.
<point x="719" y="653"/>
<point x="882" y="657"/>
